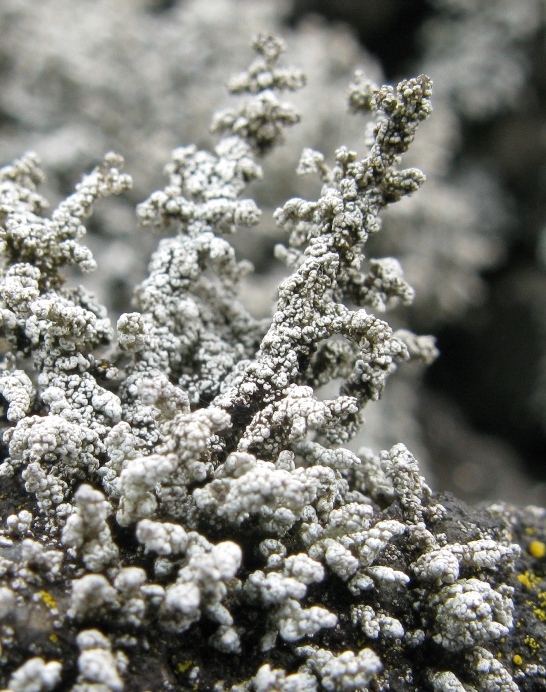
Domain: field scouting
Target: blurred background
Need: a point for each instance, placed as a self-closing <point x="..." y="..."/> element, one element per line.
<point x="82" y="77"/>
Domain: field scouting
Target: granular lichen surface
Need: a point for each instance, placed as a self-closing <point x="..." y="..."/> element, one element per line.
<point x="179" y="509"/>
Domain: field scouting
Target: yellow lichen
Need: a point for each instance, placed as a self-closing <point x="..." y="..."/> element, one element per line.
<point x="528" y="579"/>
<point x="184" y="666"/>
<point x="517" y="659"/>
<point x="537" y="549"/>
<point x="524" y="579"/>
<point x="540" y="613"/>
<point x="48" y="599"/>
<point x="532" y="644"/>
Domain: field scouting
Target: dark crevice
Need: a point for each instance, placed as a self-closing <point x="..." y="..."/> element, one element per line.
<point x="387" y="28"/>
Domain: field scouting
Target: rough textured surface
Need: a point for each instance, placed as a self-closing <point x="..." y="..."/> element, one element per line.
<point x="179" y="512"/>
<point x="80" y="79"/>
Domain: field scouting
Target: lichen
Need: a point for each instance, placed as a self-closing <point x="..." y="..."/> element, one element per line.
<point x="188" y="500"/>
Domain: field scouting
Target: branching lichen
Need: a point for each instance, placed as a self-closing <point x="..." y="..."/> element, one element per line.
<point x="184" y="485"/>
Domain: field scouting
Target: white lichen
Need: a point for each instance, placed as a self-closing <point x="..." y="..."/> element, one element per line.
<point x="87" y="531"/>
<point x="36" y="676"/>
